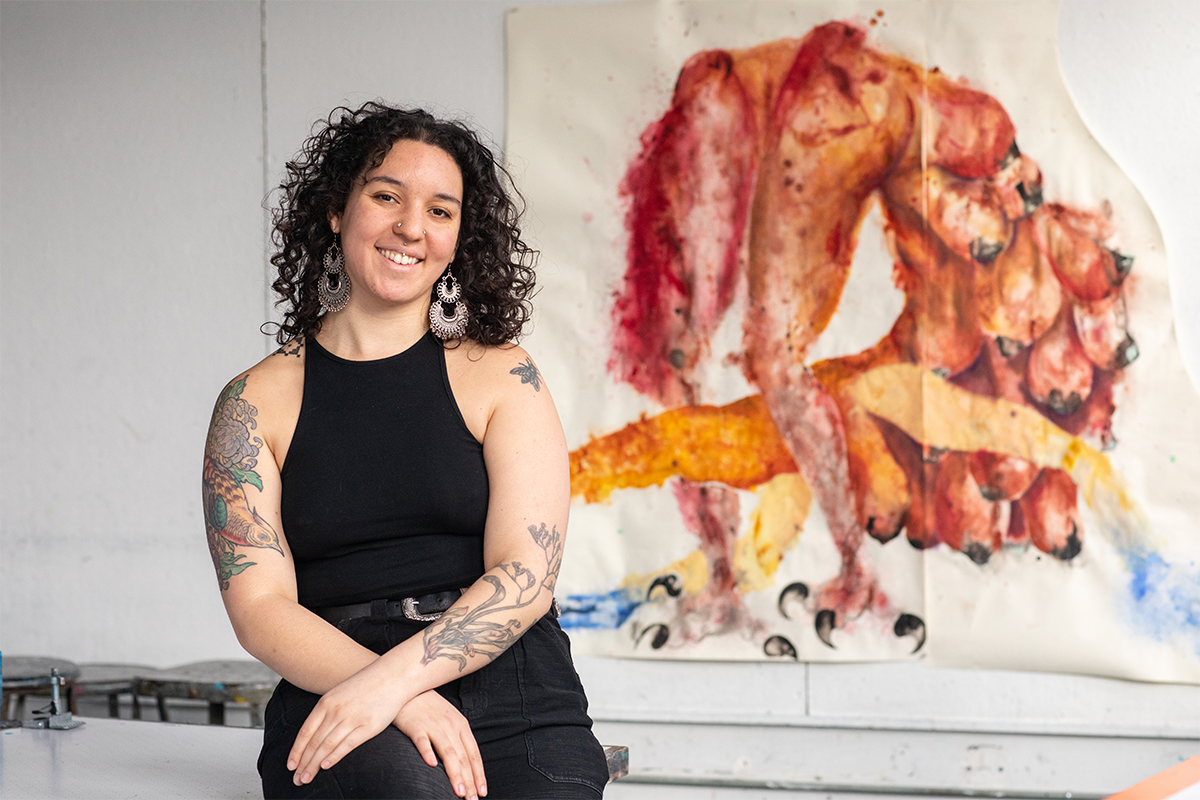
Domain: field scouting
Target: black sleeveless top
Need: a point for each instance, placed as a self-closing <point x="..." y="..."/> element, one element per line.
<point x="385" y="493"/>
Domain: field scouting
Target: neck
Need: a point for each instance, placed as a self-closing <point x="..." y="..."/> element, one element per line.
<point x="360" y="335"/>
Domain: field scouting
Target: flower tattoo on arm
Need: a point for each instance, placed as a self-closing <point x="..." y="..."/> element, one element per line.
<point x="484" y="631"/>
<point x="229" y="460"/>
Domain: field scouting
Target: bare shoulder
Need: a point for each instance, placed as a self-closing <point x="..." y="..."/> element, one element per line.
<point x="267" y="396"/>
<point x="503" y="369"/>
<point x="487" y="379"/>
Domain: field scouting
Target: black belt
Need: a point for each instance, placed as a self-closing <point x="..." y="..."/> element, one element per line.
<point x="425" y="608"/>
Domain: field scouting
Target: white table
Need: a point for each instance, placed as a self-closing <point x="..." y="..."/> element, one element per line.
<point x="111" y="758"/>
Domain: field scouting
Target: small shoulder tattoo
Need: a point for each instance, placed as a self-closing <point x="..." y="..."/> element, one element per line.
<point x="528" y="374"/>
<point x="292" y="348"/>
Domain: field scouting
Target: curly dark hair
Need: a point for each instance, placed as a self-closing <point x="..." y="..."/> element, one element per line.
<point x="492" y="264"/>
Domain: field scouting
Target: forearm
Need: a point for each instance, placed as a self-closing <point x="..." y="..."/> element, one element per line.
<point x="303" y="648"/>
<point x="488" y="619"/>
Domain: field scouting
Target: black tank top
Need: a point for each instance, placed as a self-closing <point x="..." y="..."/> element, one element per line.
<point x="385" y="493"/>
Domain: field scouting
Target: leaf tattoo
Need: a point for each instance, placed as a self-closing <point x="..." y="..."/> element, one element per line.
<point x="529" y="373"/>
<point x="230" y="456"/>
<point x="462" y="633"/>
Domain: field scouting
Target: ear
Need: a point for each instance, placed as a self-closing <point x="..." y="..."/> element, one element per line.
<point x="335" y="222"/>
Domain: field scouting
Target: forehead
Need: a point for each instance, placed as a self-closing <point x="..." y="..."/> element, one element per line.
<point x="411" y="161"/>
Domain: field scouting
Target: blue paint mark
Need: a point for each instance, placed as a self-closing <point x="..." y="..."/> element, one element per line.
<point x="1148" y="570"/>
<point x="599" y="611"/>
<point x="1165" y="597"/>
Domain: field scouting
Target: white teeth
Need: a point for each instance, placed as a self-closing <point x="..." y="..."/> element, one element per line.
<point x="399" y="258"/>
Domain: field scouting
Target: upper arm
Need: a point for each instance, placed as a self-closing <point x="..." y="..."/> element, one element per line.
<point x="241" y="494"/>
<point x="525" y="451"/>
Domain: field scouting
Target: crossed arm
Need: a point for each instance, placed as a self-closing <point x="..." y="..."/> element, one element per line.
<point x="526" y="458"/>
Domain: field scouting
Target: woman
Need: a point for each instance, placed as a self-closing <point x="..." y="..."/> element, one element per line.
<point x="386" y="495"/>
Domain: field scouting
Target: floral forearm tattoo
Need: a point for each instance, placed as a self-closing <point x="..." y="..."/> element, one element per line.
<point x="488" y="629"/>
<point x="229" y="460"/>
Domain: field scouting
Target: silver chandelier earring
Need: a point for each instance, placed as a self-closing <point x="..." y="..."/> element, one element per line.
<point x="449" y="292"/>
<point x="333" y="285"/>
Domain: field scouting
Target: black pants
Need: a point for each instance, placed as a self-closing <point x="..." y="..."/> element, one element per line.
<point x="526" y="709"/>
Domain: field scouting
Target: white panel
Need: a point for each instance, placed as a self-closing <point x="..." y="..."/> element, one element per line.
<point x="923" y="697"/>
<point x="130" y="291"/>
<point x="693" y="691"/>
<point x="846" y="759"/>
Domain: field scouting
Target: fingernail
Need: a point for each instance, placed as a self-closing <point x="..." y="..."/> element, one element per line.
<point x="326" y="764"/>
<point x="291" y="764"/>
<point x="305" y="778"/>
<point x="482" y="789"/>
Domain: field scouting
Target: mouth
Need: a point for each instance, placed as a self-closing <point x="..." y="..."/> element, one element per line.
<point x="397" y="257"/>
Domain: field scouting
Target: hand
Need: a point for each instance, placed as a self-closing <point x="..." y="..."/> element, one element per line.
<point x="434" y="724"/>
<point x="349" y="714"/>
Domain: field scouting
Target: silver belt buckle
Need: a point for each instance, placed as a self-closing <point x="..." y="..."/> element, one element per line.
<point x="409" y="606"/>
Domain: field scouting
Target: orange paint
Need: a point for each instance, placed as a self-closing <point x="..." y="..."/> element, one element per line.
<point x="737" y="445"/>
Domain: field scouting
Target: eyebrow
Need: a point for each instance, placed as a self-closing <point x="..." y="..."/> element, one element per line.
<point x="441" y="195"/>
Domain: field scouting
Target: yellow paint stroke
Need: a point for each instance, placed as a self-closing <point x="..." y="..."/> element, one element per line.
<point x="939" y="414"/>
<point x="737" y="445"/>
<point x="775" y="526"/>
<point x="692" y="569"/>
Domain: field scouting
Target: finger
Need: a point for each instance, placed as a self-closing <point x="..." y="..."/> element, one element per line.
<point x="1000" y="476"/>
<point x="1051" y="516"/>
<point x="1019" y="185"/>
<point x="310" y="727"/>
<point x="319" y="747"/>
<point x="964" y="518"/>
<point x="352" y="739"/>
<point x="970" y="133"/>
<point x="1019" y="295"/>
<point x="966" y="215"/>
<point x="475" y="760"/>
<point x="425" y="748"/>
<point x="457" y="770"/>
<point x="1093" y="420"/>
<point x="1087" y="269"/>
<point x="1058" y="373"/>
<point x="1103" y="334"/>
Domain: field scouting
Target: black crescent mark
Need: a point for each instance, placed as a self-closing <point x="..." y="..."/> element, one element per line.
<point x="796" y="589"/>
<point x="779" y="646"/>
<point x="911" y="625"/>
<point x="670" y="584"/>
<point x="825" y="623"/>
<point x="661" y="634"/>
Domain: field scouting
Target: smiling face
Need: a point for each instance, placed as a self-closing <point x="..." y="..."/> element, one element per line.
<point x="400" y="226"/>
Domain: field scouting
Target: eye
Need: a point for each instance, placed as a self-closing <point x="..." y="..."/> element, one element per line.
<point x="386" y="198"/>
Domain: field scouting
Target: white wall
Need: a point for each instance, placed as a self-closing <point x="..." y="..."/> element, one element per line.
<point x="137" y="140"/>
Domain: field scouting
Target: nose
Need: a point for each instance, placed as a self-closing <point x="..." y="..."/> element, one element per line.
<point x="409" y="229"/>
